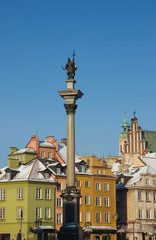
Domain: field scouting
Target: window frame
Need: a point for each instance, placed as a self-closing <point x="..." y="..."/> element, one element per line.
<point x="106" y="202"/>
<point x="2" y="194"/>
<point x="98" y="217"/>
<point x="148" y="213"/>
<point x="59" y="218"/>
<point x="98" y="186"/>
<point x="19" y="212"/>
<point x="59" y="202"/>
<point x="2" y="213"/>
<point x="98" y="201"/>
<point x="38" y="212"/>
<point x="38" y="193"/>
<point x="47" y="212"/>
<point x="20" y="193"/>
<point x="87" y="217"/>
<point x="107" y="217"/>
<point x="87" y="199"/>
<point x="106" y="186"/>
<point x="87" y="184"/>
<point x="47" y="194"/>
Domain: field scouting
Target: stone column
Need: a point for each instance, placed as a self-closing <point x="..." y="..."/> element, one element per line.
<point x="71" y="229"/>
<point x="70" y="109"/>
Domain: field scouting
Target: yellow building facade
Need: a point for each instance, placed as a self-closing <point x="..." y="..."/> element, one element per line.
<point x="98" y="202"/>
<point x="27" y="197"/>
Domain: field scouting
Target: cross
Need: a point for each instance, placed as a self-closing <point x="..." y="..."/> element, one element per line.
<point x="73" y="55"/>
<point x="125" y="114"/>
<point x="134" y="113"/>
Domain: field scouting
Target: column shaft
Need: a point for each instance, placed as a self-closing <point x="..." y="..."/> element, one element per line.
<point x="70" y="149"/>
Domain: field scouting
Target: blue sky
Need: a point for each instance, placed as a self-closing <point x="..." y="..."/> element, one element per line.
<point x="115" y="44"/>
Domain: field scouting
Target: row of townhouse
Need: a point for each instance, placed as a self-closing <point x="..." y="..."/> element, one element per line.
<point x="31" y="185"/>
<point x="136" y="198"/>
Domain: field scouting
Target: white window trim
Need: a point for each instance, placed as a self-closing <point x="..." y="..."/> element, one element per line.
<point x="2" y="194"/>
<point x="47" y="212"/>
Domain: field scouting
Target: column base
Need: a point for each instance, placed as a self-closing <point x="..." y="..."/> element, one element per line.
<point x="70" y="232"/>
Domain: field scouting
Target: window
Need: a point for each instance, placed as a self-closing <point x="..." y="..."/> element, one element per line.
<point x="59" y="186"/>
<point x="47" y="193"/>
<point x="87" y="184"/>
<point x="154" y="196"/>
<point x="148" y="213"/>
<point x="102" y="172"/>
<point x="49" y="154"/>
<point x="88" y="161"/>
<point x="98" y="201"/>
<point x="106" y="186"/>
<point x="46" y="175"/>
<point x="78" y="183"/>
<point x="38" y="193"/>
<point x="82" y="168"/>
<point x="106" y="217"/>
<point x="87" y="217"/>
<point x="147" y="196"/>
<point x="19" y="212"/>
<point x="140" y="196"/>
<point x="154" y="182"/>
<point x="147" y="181"/>
<point x="98" y="186"/>
<point x="98" y="217"/>
<point x="2" y="213"/>
<point x="2" y="194"/>
<point x="42" y="154"/>
<point x="154" y="213"/>
<point x="38" y="212"/>
<point x="20" y="193"/>
<point x="80" y="216"/>
<point x="59" y="202"/>
<point x="47" y="212"/>
<point x="98" y="171"/>
<point x="58" y="171"/>
<point x="87" y="200"/>
<point x="140" y="213"/>
<point x="106" y="202"/>
<point x="8" y="175"/>
<point x="59" y="218"/>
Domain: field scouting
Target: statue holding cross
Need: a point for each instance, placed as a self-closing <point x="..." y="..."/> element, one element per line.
<point x="71" y="67"/>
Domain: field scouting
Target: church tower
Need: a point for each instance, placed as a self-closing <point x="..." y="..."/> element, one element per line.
<point x="124" y="135"/>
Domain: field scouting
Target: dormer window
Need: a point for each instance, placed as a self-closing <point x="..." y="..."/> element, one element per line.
<point x="88" y="161"/>
<point x="58" y="171"/>
<point x="147" y="181"/>
<point x="49" y="154"/>
<point x="42" y="154"/>
<point x="8" y="175"/>
<point x="47" y="175"/>
<point x="82" y="168"/>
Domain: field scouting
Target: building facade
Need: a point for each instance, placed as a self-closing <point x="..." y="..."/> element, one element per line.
<point x="26" y="200"/>
<point x="136" y="200"/>
<point x="98" y="203"/>
<point x="136" y="140"/>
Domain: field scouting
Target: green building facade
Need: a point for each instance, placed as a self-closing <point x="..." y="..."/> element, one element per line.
<point x="27" y="193"/>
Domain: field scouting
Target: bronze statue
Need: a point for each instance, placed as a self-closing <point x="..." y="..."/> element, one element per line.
<point x="71" y="67"/>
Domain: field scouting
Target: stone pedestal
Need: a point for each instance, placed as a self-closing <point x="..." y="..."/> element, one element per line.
<point x="70" y="229"/>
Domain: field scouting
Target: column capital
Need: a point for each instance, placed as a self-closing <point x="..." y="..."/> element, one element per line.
<point x="70" y="108"/>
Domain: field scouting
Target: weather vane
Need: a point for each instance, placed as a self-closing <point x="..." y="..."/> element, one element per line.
<point x="71" y="67"/>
